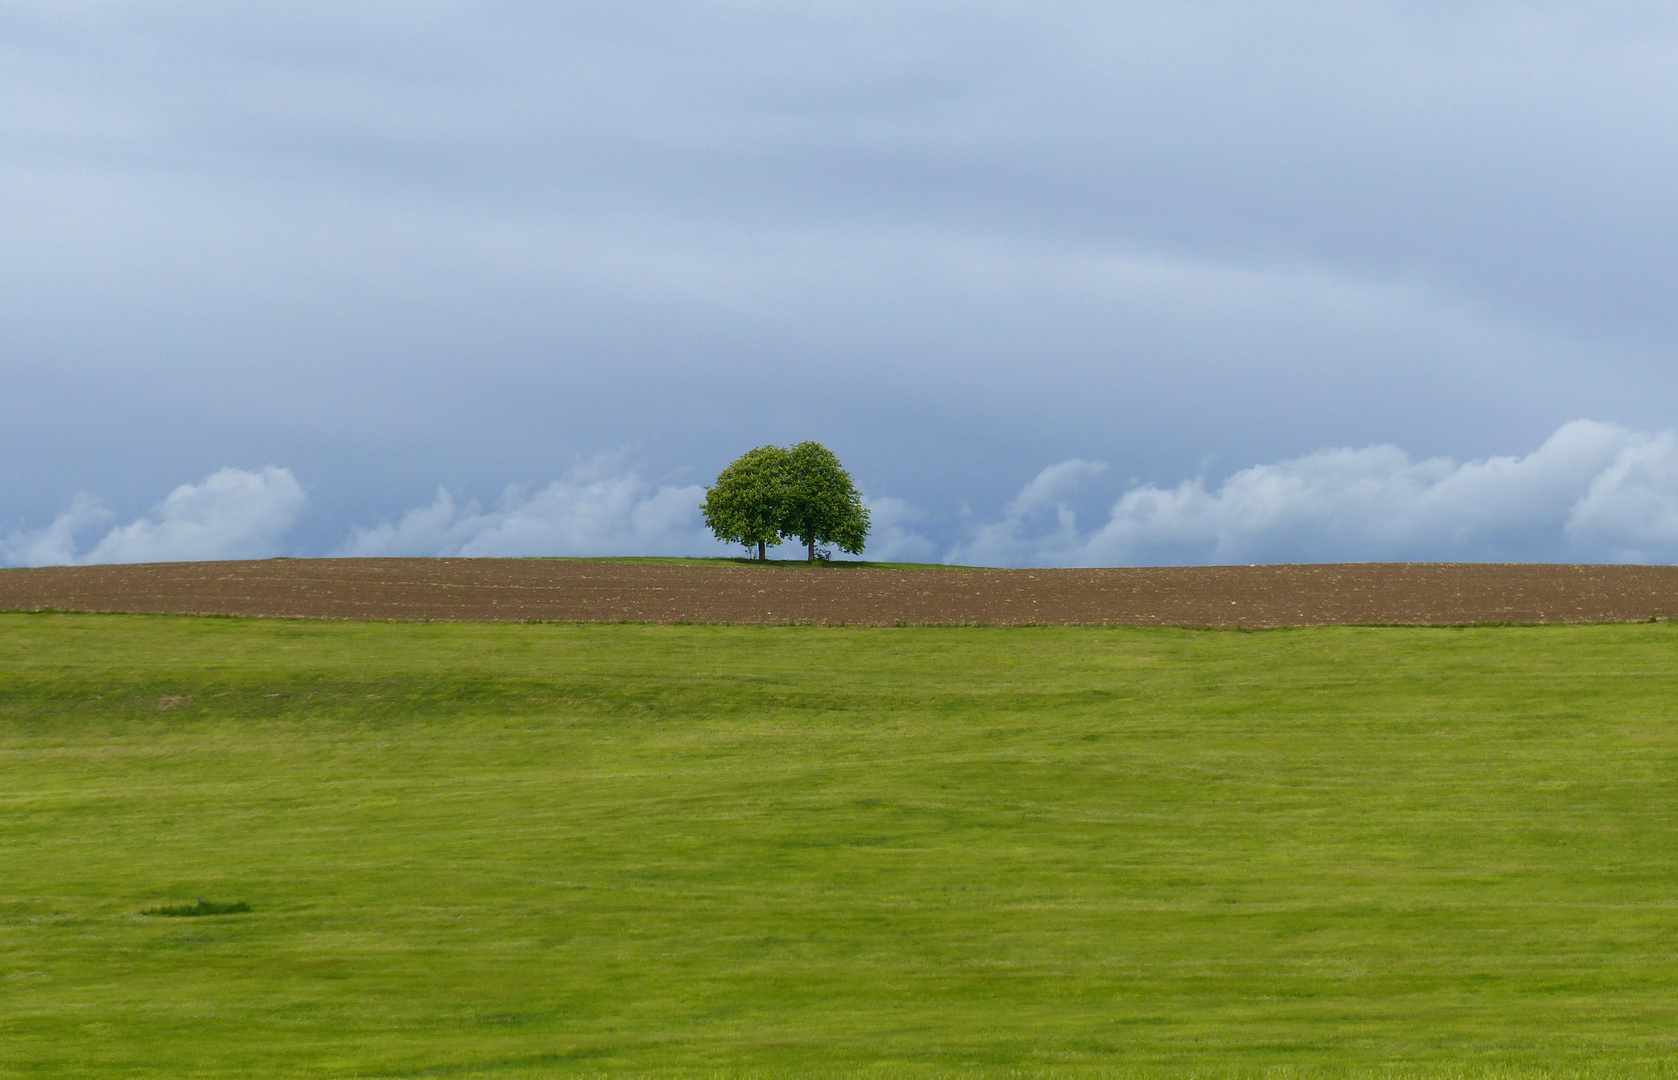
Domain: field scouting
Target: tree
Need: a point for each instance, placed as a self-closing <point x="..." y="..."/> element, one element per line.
<point x="744" y="505"/>
<point x="820" y="503"/>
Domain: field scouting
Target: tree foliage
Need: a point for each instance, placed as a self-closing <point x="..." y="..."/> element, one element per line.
<point x="770" y="494"/>
<point x="744" y="505"/>
<point x="822" y="505"/>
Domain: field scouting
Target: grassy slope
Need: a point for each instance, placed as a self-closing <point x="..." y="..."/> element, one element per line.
<point x="521" y="850"/>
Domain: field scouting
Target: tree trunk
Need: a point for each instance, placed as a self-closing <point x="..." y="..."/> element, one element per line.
<point x="760" y="555"/>
<point x="812" y="549"/>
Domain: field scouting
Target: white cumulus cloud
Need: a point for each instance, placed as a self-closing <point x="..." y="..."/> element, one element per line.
<point x="1591" y="492"/>
<point x="233" y="514"/>
<point x="592" y="511"/>
<point x="892" y="536"/>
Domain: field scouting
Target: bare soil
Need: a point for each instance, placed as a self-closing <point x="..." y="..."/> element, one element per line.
<point x="581" y="590"/>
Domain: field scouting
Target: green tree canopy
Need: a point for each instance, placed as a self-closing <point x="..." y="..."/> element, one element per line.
<point x="744" y="505"/>
<point x="769" y="494"/>
<point x="821" y="504"/>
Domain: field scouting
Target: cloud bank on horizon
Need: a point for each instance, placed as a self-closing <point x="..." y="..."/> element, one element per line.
<point x="233" y="514"/>
<point x="1592" y="492"/>
<point x="592" y="511"/>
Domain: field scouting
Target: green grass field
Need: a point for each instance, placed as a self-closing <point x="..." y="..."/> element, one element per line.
<point x="542" y="850"/>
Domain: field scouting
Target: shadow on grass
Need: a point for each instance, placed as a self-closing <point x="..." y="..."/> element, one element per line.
<point x="193" y="911"/>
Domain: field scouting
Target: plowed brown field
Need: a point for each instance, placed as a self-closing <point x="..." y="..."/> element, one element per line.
<point x="565" y="590"/>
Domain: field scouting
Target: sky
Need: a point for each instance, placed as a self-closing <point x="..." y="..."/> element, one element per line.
<point x="1069" y="284"/>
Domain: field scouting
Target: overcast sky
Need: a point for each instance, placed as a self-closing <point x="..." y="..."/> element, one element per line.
<point x="1068" y="283"/>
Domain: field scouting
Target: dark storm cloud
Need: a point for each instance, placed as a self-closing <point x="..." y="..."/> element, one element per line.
<point x="393" y="246"/>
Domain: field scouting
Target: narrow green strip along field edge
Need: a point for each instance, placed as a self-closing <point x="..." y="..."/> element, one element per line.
<point x="777" y="558"/>
<point x="502" y="850"/>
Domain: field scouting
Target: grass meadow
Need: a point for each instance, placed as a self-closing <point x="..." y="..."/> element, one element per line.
<point x="476" y="850"/>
